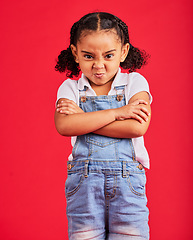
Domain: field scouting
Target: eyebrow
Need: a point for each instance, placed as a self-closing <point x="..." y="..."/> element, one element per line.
<point x="113" y="50"/>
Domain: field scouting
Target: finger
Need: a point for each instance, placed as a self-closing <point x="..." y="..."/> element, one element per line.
<point x="137" y="117"/>
<point x="139" y="101"/>
<point x="65" y="110"/>
<point x="71" y="105"/>
<point x="145" y="110"/>
<point x="68" y="101"/>
<point x="60" y="110"/>
<point x="141" y="112"/>
<point x="65" y="103"/>
<point x="142" y="115"/>
<point x="137" y="108"/>
<point x="67" y="106"/>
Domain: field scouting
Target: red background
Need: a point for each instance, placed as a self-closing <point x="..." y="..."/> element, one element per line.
<point x="33" y="155"/>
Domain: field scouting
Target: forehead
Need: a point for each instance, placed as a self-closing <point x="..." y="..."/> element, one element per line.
<point x="98" y="39"/>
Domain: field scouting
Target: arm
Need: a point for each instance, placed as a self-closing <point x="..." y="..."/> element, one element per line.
<point x="73" y="121"/>
<point x="129" y="128"/>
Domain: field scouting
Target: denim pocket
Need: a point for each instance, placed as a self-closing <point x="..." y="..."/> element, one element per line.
<point x="73" y="183"/>
<point x="136" y="181"/>
<point x="101" y="141"/>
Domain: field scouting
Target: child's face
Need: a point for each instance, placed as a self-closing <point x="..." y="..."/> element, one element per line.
<point x="99" y="54"/>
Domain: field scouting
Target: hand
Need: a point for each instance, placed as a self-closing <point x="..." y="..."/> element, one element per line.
<point x="66" y="106"/>
<point x="135" y="110"/>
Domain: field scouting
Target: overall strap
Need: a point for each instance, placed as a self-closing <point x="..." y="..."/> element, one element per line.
<point x="120" y="92"/>
<point x="82" y="94"/>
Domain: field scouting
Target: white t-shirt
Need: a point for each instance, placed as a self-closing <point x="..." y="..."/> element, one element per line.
<point x="134" y="83"/>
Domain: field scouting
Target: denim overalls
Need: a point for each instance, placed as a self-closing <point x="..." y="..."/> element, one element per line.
<point x="105" y="188"/>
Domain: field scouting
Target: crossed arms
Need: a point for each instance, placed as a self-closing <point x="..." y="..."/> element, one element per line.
<point x="129" y="121"/>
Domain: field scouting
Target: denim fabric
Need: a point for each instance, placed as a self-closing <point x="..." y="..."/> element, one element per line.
<point x="105" y="188"/>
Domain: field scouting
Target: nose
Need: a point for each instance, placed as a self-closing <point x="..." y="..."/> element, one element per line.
<point x="98" y="64"/>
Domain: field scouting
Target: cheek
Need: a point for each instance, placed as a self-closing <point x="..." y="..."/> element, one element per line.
<point x="85" y="67"/>
<point x="115" y="63"/>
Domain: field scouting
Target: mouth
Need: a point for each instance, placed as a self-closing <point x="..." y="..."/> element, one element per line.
<point x="99" y="75"/>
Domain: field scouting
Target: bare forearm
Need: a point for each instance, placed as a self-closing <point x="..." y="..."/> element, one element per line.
<point x="129" y="128"/>
<point x="129" y="121"/>
<point x="82" y="123"/>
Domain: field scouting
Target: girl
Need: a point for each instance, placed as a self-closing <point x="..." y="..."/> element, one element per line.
<point x="107" y="113"/>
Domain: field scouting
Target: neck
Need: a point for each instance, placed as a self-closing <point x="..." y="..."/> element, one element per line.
<point x="102" y="89"/>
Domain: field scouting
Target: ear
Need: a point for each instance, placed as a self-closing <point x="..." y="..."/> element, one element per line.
<point x="124" y="52"/>
<point x="74" y="52"/>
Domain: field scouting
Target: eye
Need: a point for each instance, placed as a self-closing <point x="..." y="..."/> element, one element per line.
<point x="87" y="56"/>
<point x="109" y="56"/>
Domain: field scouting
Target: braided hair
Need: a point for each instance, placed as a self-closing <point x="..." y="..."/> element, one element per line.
<point x="93" y="22"/>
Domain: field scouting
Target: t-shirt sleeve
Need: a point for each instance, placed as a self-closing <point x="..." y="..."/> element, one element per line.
<point x="68" y="89"/>
<point x="137" y="83"/>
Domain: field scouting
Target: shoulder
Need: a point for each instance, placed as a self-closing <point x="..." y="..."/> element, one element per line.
<point x="68" y="83"/>
<point x="68" y="89"/>
<point x="135" y="78"/>
<point x="136" y="83"/>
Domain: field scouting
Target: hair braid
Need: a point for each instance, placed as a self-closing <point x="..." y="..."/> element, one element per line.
<point x="135" y="58"/>
<point x="123" y="27"/>
<point x="73" y="32"/>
